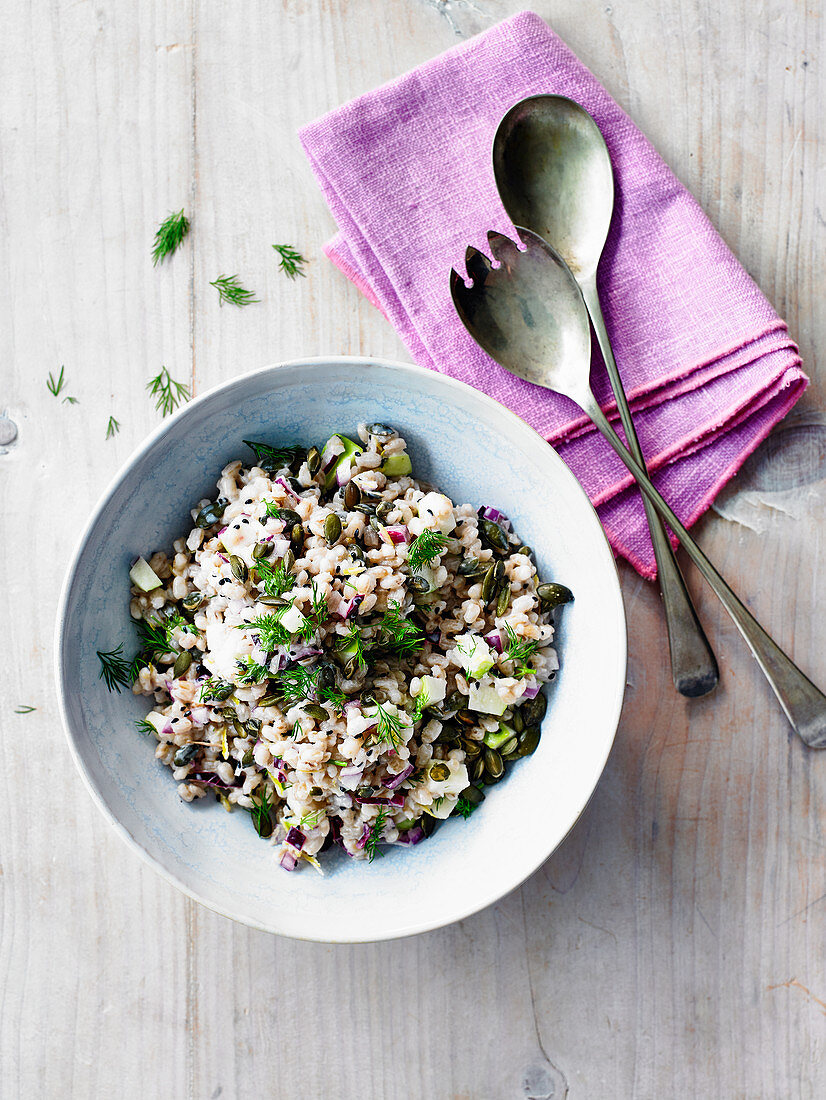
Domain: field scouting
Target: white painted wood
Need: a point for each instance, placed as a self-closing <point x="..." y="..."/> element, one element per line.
<point x="673" y="946"/>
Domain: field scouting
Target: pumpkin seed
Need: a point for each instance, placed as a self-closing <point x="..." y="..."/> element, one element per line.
<point x="182" y="663"/>
<point x="316" y="791"/>
<point x="185" y="755"/>
<point x="552" y="595"/>
<point x="533" y="711"/>
<point x="351" y="668"/>
<point x="352" y="495"/>
<point x="365" y="508"/>
<point x="239" y="568"/>
<point x="238" y="727"/>
<point x="493" y="764"/>
<point x="468" y="567"/>
<point x="289" y="561"/>
<point x="272" y="601"/>
<point x="253" y="726"/>
<point x="193" y="601"/>
<point x="313" y="461"/>
<point x="248" y="758"/>
<point x="499" y="571"/>
<point x="528" y="740"/>
<point x="384" y="509"/>
<point x="355" y="552"/>
<point x="466" y="718"/>
<point x="477" y="768"/>
<point x="419" y="584"/>
<point x="221" y="691"/>
<point x="262" y="550"/>
<point x="289" y="516"/>
<point x="439" y="772"/>
<point x="494" y="534"/>
<point x="503" y="599"/>
<point x="447" y="735"/>
<point x="381" y="431"/>
<point x="326" y="675"/>
<point x="517" y="721"/>
<point x="472" y="749"/>
<point x="313" y="710"/>
<point x="489" y="584"/>
<point x="509" y="747"/>
<point x="332" y="529"/>
<point x="512" y="757"/>
<point x="297" y="535"/>
<point x="526" y="550"/>
<point x="429" y="824"/>
<point x="211" y="513"/>
<point x="271" y="700"/>
<point x="473" y="795"/>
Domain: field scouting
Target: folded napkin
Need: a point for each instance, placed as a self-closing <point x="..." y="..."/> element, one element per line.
<point x="708" y="366"/>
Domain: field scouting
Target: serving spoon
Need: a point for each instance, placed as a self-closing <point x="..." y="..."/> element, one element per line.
<point x="554" y="175"/>
<point x="529" y="315"/>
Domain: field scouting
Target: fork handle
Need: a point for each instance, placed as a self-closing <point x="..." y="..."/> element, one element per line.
<point x="803" y="703"/>
<point x="693" y="666"/>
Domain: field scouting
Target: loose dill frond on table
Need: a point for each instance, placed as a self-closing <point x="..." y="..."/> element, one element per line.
<point x="112" y="428"/>
<point x="168" y="236"/>
<point x="291" y="261"/>
<point x="24" y="709"/>
<point x="168" y="392"/>
<point x="55" y="386"/>
<point x="230" y="290"/>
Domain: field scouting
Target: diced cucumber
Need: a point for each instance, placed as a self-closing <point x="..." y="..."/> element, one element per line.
<point x="397" y="465"/>
<point x="475" y="655"/>
<point x="293" y="620"/>
<point x="485" y="700"/>
<point x="497" y="738"/>
<point x="434" y="687"/>
<point x="143" y="576"/>
<point x="350" y="449"/>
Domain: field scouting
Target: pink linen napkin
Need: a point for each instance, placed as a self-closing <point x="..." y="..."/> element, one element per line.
<point x="708" y="366"/>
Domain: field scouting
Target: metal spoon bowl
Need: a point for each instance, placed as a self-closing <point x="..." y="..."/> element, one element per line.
<point x="529" y="315"/>
<point x="554" y="175"/>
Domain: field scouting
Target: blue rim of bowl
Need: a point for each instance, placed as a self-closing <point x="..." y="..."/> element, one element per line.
<point x="60" y="641"/>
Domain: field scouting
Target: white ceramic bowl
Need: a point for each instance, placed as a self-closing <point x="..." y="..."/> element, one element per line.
<point x="476" y="451"/>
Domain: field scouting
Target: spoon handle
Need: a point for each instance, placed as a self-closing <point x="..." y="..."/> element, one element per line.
<point x="804" y="704"/>
<point x="693" y="667"/>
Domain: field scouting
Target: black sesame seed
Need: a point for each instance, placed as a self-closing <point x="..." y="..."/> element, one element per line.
<point x="248" y="501"/>
<point x="245" y="521"/>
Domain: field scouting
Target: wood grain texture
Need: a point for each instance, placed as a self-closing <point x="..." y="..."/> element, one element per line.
<point x="673" y="946"/>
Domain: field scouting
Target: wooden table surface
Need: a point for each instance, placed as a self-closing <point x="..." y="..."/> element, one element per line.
<point x="674" y="945"/>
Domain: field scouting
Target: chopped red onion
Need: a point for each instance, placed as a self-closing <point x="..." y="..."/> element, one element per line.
<point x="344" y="471"/>
<point x="531" y="691"/>
<point x="398" y="532"/>
<point x="412" y="836"/>
<point x="199" y="716"/>
<point x="345" y="610"/>
<point x="285" y="485"/>
<point x="349" y="778"/>
<point x="494" y="640"/>
<point x="288" y="861"/>
<point x="376" y="800"/>
<point x="332" y="449"/>
<point x="365" y="834"/>
<point x="223" y="558"/>
<point x="495" y="515"/>
<point x="391" y="784"/>
<point x="296" y="838"/>
<point x="222" y="531"/>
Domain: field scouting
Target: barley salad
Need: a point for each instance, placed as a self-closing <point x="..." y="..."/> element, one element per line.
<point x="339" y="649"/>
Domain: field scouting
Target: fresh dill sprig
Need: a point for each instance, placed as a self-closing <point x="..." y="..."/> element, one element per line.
<point x="376" y="830"/>
<point x="297" y="731"/>
<point x="399" y="634"/>
<point x="388" y="726"/>
<point x="464" y="807"/>
<point x="154" y="637"/>
<point x="427" y="546"/>
<point x="520" y="651"/>
<point x="250" y="672"/>
<point x="275" y="577"/>
<point x="260" y="812"/>
<point x="168" y="392"/>
<point x="112" y="428"/>
<point x="215" y="689"/>
<point x="310" y="820"/>
<point x="270" y="458"/>
<point x="297" y="684"/>
<point x="230" y="290"/>
<point x="438" y="801"/>
<point x="142" y="726"/>
<point x="70" y="401"/>
<point x="168" y="236"/>
<point x="353" y="642"/>
<point x="114" y="669"/>
<point x="271" y="632"/>
<point x="55" y="385"/>
<point x="291" y="261"/>
<point x="318" y="613"/>
<point x="24" y="709"/>
<point x="334" y="696"/>
<point x="422" y="700"/>
<point x="275" y="511"/>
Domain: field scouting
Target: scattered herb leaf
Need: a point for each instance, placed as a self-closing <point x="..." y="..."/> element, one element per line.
<point x="388" y="726"/>
<point x="520" y="651"/>
<point x="291" y="261"/>
<point x="24" y="709"/>
<point x="115" y="669"/>
<point x="399" y="634"/>
<point x="168" y="392"/>
<point x="142" y="726"/>
<point x="427" y="546"/>
<point x="230" y="290"/>
<point x="112" y="428"/>
<point x="464" y="807"/>
<point x="276" y="578"/>
<point x="168" y="236"/>
<point x="376" y="830"/>
<point x="260" y="813"/>
<point x="271" y="458"/>
<point x="250" y="672"/>
<point x="55" y="385"/>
